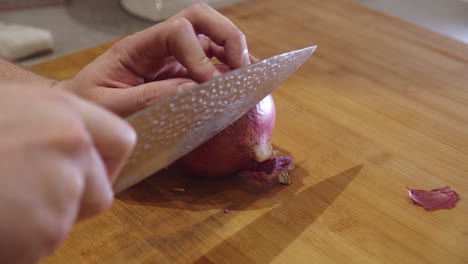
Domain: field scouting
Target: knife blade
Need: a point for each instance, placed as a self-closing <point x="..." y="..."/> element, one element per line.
<point x="177" y="125"/>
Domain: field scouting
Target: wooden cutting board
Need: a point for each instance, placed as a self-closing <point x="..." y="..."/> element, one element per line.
<point x="382" y="105"/>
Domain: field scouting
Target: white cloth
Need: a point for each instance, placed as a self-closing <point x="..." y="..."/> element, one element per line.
<point x="19" y="41"/>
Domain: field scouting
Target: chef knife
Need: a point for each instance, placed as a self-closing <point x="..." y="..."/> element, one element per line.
<point x="175" y="126"/>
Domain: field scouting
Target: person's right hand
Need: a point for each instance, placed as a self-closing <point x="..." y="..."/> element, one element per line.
<point x="58" y="157"/>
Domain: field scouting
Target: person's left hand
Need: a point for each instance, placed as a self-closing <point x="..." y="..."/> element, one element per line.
<point x="161" y="61"/>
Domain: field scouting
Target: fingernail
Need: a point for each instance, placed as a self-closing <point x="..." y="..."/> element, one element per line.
<point x="253" y="59"/>
<point x="216" y="73"/>
<point x="185" y="86"/>
<point x="246" y="57"/>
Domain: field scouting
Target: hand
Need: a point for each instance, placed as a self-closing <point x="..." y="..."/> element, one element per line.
<point x="161" y="61"/>
<point x="58" y="156"/>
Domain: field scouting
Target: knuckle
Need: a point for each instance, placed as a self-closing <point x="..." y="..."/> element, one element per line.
<point x="76" y="140"/>
<point x="199" y="6"/>
<point x="126" y="139"/>
<point x="66" y="133"/>
<point x="54" y="228"/>
<point x="59" y="97"/>
<point x="203" y="60"/>
<point x="53" y="237"/>
<point x="120" y="47"/>
<point x="57" y="217"/>
<point x="181" y="24"/>
<point x="239" y="35"/>
<point x="99" y="203"/>
<point x="124" y="144"/>
<point x="71" y="138"/>
<point x="105" y="202"/>
<point x="71" y="191"/>
<point x="129" y="139"/>
<point x="147" y="98"/>
<point x="72" y="187"/>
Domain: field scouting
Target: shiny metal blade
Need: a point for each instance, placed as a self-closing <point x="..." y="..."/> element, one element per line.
<point x="175" y="126"/>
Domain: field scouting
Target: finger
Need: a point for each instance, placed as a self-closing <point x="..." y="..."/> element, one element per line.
<point x="219" y="29"/>
<point x="173" y="69"/>
<point x="98" y="194"/>
<point x="87" y="180"/>
<point x="212" y="49"/>
<point x="177" y="37"/>
<point x="253" y="59"/>
<point x="112" y="136"/>
<point x="105" y="142"/>
<point x="128" y="101"/>
<point x="187" y="50"/>
<point x="174" y="37"/>
<point x="223" y="68"/>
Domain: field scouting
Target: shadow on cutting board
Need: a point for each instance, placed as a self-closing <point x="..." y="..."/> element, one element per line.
<point x="172" y="188"/>
<point x="291" y="211"/>
<point x="276" y="229"/>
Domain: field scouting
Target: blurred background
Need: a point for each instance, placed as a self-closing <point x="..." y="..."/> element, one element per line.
<point x="32" y="31"/>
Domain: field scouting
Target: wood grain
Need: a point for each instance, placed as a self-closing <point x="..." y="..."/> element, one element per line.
<point x="382" y="105"/>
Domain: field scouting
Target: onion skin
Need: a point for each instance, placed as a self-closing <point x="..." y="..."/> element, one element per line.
<point x="439" y="198"/>
<point x="234" y="149"/>
<point x="242" y="148"/>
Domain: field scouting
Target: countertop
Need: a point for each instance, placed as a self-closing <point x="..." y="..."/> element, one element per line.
<point x="382" y="105"/>
<point x="105" y="20"/>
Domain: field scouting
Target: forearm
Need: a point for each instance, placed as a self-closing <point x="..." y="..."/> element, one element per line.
<point x="15" y="73"/>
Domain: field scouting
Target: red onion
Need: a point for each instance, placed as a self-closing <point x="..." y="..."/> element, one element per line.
<point x="440" y="198"/>
<point x="243" y="147"/>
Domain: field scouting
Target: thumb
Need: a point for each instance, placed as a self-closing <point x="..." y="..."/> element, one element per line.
<point x="125" y="102"/>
